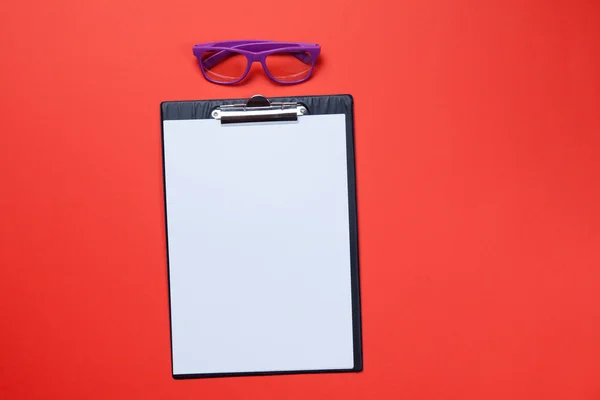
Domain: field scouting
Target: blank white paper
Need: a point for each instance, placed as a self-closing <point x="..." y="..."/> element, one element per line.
<point x="259" y="245"/>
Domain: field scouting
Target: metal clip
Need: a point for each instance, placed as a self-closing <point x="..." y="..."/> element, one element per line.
<point x="258" y="109"/>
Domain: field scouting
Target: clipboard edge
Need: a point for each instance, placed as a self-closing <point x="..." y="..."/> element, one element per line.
<point x="178" y="377"/>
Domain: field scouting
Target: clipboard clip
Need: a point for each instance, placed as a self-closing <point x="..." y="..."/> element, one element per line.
<point x="259" y="109"/>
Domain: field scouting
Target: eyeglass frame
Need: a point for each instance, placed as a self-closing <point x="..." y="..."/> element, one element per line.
<point x="261" y="49"/>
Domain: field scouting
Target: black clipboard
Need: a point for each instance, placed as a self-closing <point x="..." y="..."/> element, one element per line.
<point x="259" y="109"/>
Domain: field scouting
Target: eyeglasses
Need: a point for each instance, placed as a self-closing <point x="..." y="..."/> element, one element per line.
<point x="229" y="62"/>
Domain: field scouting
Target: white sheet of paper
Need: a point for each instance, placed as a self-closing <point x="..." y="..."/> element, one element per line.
<point x="259" y="245"/>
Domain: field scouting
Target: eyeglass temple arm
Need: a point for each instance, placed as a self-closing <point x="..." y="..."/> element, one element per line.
<point x="222" y="55"/>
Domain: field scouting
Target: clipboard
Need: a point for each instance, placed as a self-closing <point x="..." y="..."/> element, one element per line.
<point x="262" y="236"/>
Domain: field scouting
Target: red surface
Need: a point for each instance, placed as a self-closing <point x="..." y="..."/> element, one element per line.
<point x="478" y="140"/>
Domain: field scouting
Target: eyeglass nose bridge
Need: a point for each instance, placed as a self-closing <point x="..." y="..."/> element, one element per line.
<point x="261" y="60"/>
<point x="252" y="59"/>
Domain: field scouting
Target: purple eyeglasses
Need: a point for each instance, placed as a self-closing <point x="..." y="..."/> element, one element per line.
<point x="229" y="62"/>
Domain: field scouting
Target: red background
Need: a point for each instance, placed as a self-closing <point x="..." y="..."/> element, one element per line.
<point x="478" y="140"/>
